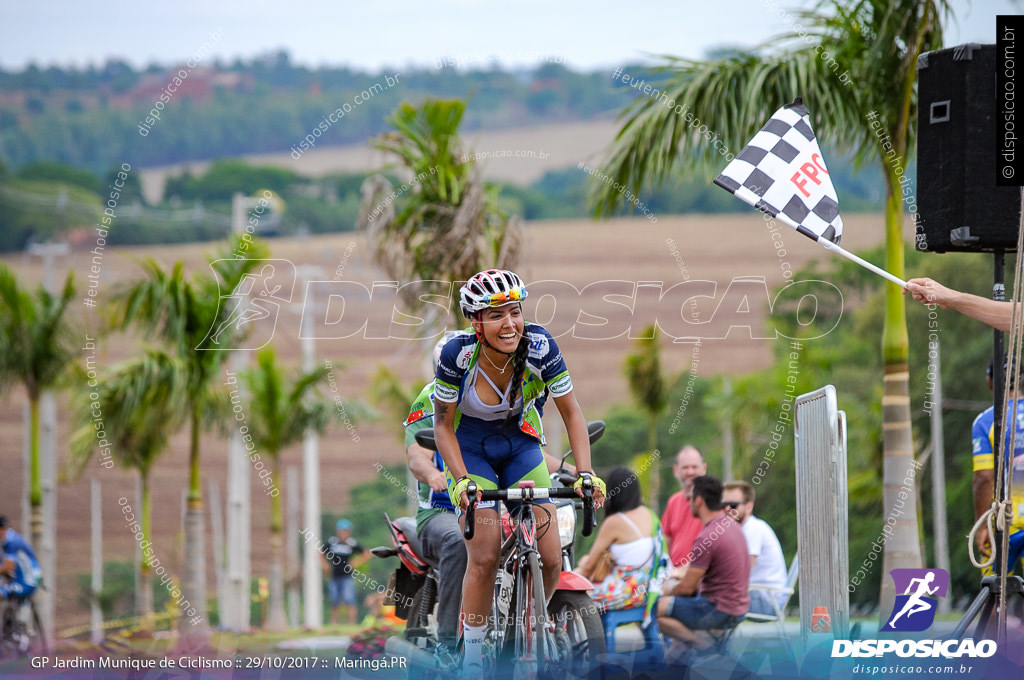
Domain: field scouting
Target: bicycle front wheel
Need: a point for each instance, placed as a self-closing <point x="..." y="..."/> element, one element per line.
<point x="38" y="644"/>
<point x="530" y="634"/>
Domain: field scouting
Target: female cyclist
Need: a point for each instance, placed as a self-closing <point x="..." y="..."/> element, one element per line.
<point x="489" y="392"/>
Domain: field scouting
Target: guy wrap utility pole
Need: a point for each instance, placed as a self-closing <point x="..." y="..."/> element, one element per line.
<point x="47" y="550"/>
<point x="312" y="595"/>
<point x="237" y="560"/>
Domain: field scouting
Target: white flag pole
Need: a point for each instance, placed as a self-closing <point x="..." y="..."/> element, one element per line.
<point x="828" y="245"/>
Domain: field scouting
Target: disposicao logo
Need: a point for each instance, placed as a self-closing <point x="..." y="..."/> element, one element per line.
<point x="914" y="611"/>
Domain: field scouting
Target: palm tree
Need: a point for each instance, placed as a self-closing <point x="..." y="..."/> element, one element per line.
<point x="444" y="224"/>
<point x="283" y="409"/>
<point x="144" y="403"/>
<point x="37" y="348"/>
<point x="643" y="370"/>
<point x="184" y="313"/>
<point x="876" y="44"/>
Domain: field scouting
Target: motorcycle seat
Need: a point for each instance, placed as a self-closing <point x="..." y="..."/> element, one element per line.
<point x="407" y="525"/>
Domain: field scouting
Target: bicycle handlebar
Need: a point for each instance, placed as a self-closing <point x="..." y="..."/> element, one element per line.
<point x="527" y="493"/>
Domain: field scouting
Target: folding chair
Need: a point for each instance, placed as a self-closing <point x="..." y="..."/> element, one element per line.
<point x="779" y="617"/>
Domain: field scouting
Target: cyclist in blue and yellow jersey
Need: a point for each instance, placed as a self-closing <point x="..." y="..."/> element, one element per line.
<point x="487" y="425"/>
<point x="983" y="438"/>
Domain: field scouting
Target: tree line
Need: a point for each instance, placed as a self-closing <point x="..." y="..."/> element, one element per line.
<point x="48" y="200"/>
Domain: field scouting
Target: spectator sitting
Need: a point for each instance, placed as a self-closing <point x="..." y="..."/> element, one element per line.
<point x="630" y="533"/>
<point x="713" y="590"/>
<point x="767" y="563"/>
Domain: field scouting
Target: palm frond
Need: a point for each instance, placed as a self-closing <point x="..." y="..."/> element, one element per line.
<point x="282" y="407"/>
<point x="443" y="225"/>
<point x="137" y="406"/>
<point x="874" y="43"/>
<point x="38" y="343"/>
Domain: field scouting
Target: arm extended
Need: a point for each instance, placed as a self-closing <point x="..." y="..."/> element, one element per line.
<point x="991" y="312"/>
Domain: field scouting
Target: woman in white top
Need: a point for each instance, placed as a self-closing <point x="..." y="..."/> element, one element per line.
<point x="630" y="533"/>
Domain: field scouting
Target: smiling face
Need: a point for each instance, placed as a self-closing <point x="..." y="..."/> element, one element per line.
<point x="502" y="327"/>
<point x="688" y="466"/>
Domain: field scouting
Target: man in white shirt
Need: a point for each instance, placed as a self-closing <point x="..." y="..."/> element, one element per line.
<point x="767" y="563"/>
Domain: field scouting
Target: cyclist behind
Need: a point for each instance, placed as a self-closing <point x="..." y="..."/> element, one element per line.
<point x="488" y="430"/>
<point x="18" y="564"/>
<point x="983" y="441"/>
<point x="436" y="524"/>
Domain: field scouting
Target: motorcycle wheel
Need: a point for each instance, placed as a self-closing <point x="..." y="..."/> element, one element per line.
<point x="578" y="632"/>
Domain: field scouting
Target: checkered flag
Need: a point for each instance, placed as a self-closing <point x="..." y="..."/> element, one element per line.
<point x="781" y="171"/>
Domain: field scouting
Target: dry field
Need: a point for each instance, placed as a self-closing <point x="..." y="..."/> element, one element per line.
<point x="715" y="248"/>
<point x="517" y="156"/>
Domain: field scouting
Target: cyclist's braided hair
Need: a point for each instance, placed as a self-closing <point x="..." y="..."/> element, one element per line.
<point x="518" y="366"/>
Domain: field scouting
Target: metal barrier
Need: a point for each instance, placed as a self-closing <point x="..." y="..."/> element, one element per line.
<point x="822" y="510"/>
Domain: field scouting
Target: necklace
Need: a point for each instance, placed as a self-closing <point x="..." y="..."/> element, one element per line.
<point x="500" y="369"/>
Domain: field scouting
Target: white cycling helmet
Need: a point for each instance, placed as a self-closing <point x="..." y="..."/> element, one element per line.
<point x="490" y="288"/>
<point x="448" y="335"/>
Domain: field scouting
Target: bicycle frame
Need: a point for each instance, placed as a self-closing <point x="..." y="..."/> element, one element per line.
<point x="514" y="572"/>
<point x="519" y="570"/>
<point x="11" y="626"/>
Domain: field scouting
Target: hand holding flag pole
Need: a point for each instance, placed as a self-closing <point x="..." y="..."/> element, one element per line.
<point x="782" y="166"/>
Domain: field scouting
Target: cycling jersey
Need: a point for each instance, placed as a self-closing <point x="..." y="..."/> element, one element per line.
<point x="26" y="574"/>
<point x="13" y="542"/>
<point x="982" y="437"/>
<point x="421" y="416"/>
<point x="545" y="372"/>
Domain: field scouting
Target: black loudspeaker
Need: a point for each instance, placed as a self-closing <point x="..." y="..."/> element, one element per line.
<point x="960" y="208"/>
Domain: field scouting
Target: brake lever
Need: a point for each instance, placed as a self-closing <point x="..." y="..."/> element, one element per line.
<point x="470" y="511"/>
<point x="588" y="507"/>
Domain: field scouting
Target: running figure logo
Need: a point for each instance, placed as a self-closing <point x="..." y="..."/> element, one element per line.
<point x="914" y="610"/>
<point x="257" y="296"/>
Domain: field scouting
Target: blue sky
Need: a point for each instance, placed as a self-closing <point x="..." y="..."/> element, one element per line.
<point x="373" y="35"/>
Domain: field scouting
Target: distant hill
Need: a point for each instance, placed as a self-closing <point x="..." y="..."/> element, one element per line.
<point x="529" y="130"/>
<point x="98" y="118"/>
